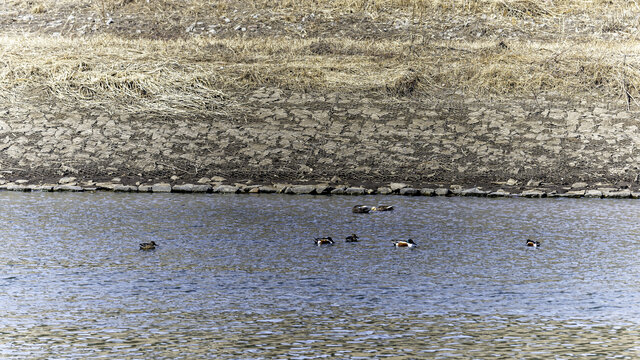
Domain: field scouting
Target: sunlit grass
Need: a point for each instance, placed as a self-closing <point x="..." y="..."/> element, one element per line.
<point x="199" y="75"/>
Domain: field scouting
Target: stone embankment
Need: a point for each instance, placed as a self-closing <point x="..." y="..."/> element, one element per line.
<point x="330" y="143"/>
<point x="510" y="189"/>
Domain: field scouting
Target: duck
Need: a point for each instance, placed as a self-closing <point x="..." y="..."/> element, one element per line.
<point x="382" y="208"/>
<point x="533" y="243"/>
<point x="324" y="241"/>
<point x="402" y="243"/>
<point x="351" y="238"/>
<point x="361" y="209"/>
<point x="148" y="246"/>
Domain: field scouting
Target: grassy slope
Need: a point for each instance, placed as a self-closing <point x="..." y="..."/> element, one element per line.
<point x="178" y="57"/>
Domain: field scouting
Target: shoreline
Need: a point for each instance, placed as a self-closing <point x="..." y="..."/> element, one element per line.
<point x="510" y="189"/>
<point x="342" y="140"/>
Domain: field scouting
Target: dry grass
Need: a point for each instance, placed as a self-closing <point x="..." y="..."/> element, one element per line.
<point x="201" y="75"/>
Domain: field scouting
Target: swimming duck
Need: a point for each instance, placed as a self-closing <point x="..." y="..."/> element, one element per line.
<point x="148" y="246"/>
<point x="402" y="243"/>
<point x="361" y="209"/>
<point x="351" y="238"/>
<point x="382" y="208"/>
<point x="533" y="243"/>
<point x="324" y="241"/>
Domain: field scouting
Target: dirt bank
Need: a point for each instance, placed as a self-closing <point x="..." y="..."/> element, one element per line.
<point x="490" y="94"/>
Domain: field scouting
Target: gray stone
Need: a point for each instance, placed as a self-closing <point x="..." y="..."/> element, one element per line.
<point x="267" y="189"/>
<point x="225" y="189"/>
<point x="473" y="192"/>
<point x="281" y="188"/>
<point x="184" y="188"/>
<point x="124" y="188"/>
<point x="17" y="187"/>
<point x="104" y="186"/>
<point x="145" y="188"/>
<point x="397" y="186"/>
<point x="338" y="191"/>
<point x="161" y="188"/>
<point x="499" y="193"/>
<point x="301" y="189"/>
<point x="534" y="183"/>
<point x="622" y="194"/>
<point x="204" y="180"/>
<point x="427" y="192"/>
<point x="442" y="192"/>
<point x="579" y="185"/>
<point x="383" y="190"/>
<point x="593" y="194"/>
<point x="355" y="191"/>
<point x="407" y="191"/>
<point x="323" y="189"/>
<point x="533" y="193"/>
<point x="575" y="193"/>
<point x="202" y="188"/>
<point x="511" y="182"/>
<point x="21" y="182"/>
<point x="70" y="188"/>
<point x="66" y="180"/>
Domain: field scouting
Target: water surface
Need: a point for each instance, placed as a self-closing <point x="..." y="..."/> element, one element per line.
<point x="238" y="277"/>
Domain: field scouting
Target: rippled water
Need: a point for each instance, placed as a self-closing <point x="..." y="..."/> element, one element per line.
<point x="238" y="277"/>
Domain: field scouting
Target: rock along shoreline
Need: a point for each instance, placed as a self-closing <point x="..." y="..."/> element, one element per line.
<point x="509" y="188"/>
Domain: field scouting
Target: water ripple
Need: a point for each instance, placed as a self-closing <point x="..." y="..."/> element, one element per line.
<point x="240" y="277"/>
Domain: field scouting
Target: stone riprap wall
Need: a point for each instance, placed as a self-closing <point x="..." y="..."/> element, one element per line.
<point x="271" y="137"/>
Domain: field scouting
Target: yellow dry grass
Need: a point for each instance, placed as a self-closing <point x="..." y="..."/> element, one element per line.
<point x="195" y="76"/>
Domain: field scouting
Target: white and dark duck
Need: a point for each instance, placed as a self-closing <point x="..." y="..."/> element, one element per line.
<point x="533" y="243"/>
<point x="402" y="243"/>
<point x="382" y="208"/>
<point x="361" y="209"/>
<point x="324" y="241"/>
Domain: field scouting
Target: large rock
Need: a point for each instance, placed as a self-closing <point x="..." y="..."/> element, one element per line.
<point x="355" y="191"/>
<point x="622" y="194"/>
<point x="124" y="188"/>
<point x="473" y="192"/>
<point x="301" y="189"/>
<point x="206" y="188"/>
<point x="323" y="189"/>
<point x="161" y="188"/>
<point x="71" y="188"/>
<point x="533" y="193"/>
<point x="266" y="189"/>
<point x="397" y="186"/>
<point x="17" y="187"/>
<point x="67" y="180"/>
<point x="593" y="194"/>
<point x="499" y="193"/>
<point x="427" y="192"/>
<point x="226" y="189"/>
<point x="407" y="191"/>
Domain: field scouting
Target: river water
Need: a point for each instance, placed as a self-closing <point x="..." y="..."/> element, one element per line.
<point x="239" y="277"/>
